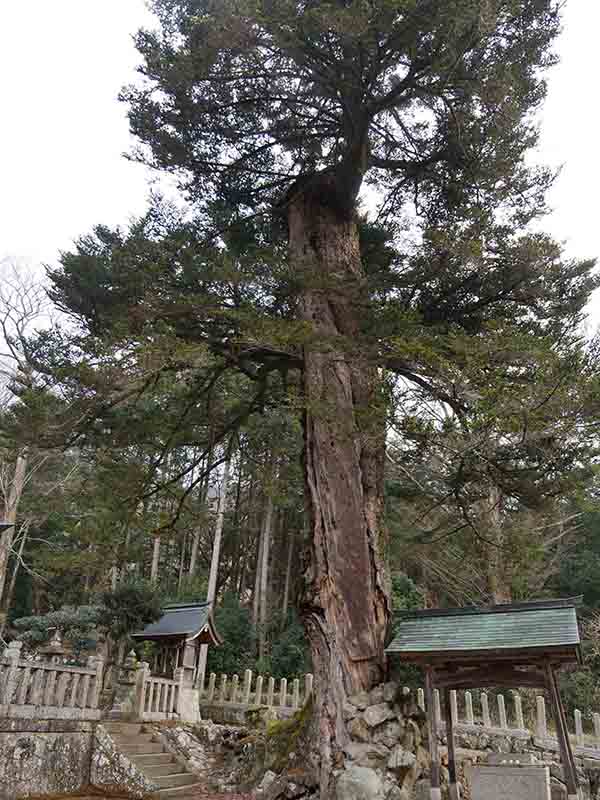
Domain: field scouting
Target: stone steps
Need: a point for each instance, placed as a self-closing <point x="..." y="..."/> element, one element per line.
<point x="151" y="757"/>
<point x="183" y="791"/>
<point x="143" y="748"/>
<point x="160" y="769"/>
<point x="113" y="726"/>
<point x="141" y="738"/>
<point x="148" y="759"/>
<point x="174" y="780"/>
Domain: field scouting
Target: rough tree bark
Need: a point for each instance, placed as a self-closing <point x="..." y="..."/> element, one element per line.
<point x="214" y="563"/>
<point x="498" y="585"/>
<point x="346" y="608"/>
<point x="259" y="560"/>
<point x="287" y="580"/>
<point x="10" y="515"/>
<point x="155" y="559"/>
<point x="264" y="578"/>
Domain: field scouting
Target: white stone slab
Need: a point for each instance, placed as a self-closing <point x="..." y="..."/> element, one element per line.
<point x="510" y="783"/>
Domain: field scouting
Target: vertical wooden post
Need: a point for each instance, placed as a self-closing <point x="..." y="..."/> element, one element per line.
<point x="453" y="707"/>
<point x="98" y="664"/>
<point x="437" y="707"/>
<point x="541" y="722"/>
<point x="503" y="722"/>
<point x="259" y="689"/>
<point x="596" y="719"/>
<point x="211" y="687"/>
<point x="449" y="697"/>
<point x="562" y="733"/>
<point x="469" y="708"/>
<point x="421" y="699"/>
<point x="436" y="793"/>
<point x="11" y="658"/>
<point x="247" y="687"/>
<point x="579" y="737"/>
<point x="485" y="711"/>
<point x="519" y="711"/>
<point x="308" y="685"/>
<point x="270" y="691"/>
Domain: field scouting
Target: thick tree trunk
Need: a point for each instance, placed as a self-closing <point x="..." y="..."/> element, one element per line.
<point x="256" y="592"/>
<point x="214" y="563"/>
<point x="7" y="600"/>
<point x="498" y="585"/>
<point x="287" y="581"/>
<point x="264" y="579"/>
<point x="155" y="560"/>
<point x="346" y="608"/>
<point x="203" y="499"/>
<point x="10" y="515"/>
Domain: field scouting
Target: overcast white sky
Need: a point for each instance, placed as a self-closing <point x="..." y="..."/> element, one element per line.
<point x="62" y="131"/>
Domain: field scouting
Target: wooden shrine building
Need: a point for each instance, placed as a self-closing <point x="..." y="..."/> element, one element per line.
<point x="509" y="645"/>
<point x="178" y="636"/>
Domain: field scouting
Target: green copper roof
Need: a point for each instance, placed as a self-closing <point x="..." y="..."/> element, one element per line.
<point x="540" y="624"/>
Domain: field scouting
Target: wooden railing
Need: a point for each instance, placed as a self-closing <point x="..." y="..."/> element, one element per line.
<point x="31" y="688"/>
<point x="504" y="715"/>
<point x="160" y="698"/>
<point x="256" y="690"/>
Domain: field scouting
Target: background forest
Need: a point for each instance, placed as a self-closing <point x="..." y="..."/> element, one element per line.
<point x="152" y="414"/>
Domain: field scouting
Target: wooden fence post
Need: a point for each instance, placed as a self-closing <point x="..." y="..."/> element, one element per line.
<point x="283" y="692"/>
<point x="270" y="691"/>
<point x="11" y="657"/>
<point x="596" y="719"/>
<point x="579" y="737"/>
<point x="453" y="708"/>
<point x="437" y="708"/>
<point x="519" y="711"/>
<point x="141" y="678"/>
<point x="502" y="712"/>
<point x="223" y="691"/>
<point x="211" y="687"/>
<point x="247" y="687"/>
<point x="97" y="663"/>
<point x="541" y="724"/>
<point x="259" y="688"/>
<point x="485" y="711"/>
<point x="469" y="708"/>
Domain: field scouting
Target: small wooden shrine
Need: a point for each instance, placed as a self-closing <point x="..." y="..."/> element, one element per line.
<point x="508" y="645"/>
<point x="178" y="636"/>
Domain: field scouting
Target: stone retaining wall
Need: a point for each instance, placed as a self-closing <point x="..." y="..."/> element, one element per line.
<point x="43" y="757"/>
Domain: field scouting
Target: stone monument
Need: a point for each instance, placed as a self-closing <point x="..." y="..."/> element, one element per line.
<point x="511" y="782"/>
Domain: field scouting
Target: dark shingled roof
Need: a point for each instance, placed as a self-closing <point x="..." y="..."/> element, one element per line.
<point x="186" y="620"/>
<point x="538" y="625"/>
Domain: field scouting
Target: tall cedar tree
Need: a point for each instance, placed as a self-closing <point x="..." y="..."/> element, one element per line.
<point x="286" y="109"/>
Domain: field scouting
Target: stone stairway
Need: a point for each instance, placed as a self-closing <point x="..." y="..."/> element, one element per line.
<point x="152" y="759"/>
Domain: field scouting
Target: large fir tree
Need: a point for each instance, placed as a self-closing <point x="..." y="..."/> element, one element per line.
<point x="274" y="115"/>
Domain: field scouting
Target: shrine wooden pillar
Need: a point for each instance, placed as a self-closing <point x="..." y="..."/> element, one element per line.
<point x="562" y="733"/>
<point x="432" y="733"/>
<point x="454" y="790"/>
